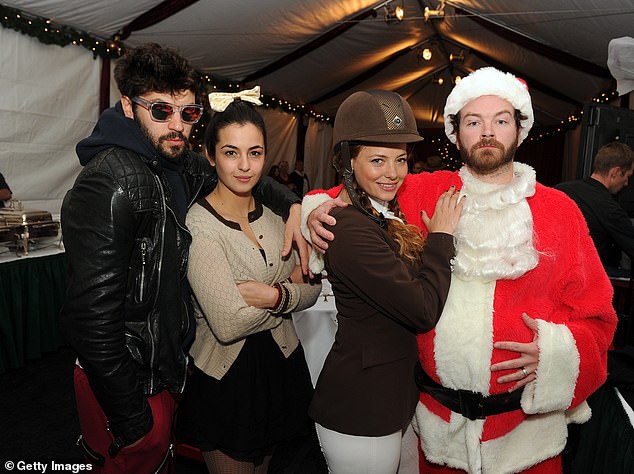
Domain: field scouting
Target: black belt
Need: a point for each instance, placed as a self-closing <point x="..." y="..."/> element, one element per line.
<point x="472" y="405"/>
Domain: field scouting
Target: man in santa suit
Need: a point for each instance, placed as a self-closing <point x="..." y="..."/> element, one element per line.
<point x="523" y="338"/>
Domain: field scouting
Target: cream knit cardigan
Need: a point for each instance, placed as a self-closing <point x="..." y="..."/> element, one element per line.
<point x="221" y="256"/>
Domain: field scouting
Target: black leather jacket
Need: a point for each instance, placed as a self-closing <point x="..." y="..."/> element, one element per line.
<point x="127" y="311"/>
<point x="119" y="232"/>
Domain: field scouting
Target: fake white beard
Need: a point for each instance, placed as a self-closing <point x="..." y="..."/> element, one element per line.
<point x="494" y="238"/>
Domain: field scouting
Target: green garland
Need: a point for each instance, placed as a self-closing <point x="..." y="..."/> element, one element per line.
<point x="48" y="32"/>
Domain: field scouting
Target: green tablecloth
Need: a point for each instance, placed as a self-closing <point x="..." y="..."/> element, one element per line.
<point x="31" y="295"/>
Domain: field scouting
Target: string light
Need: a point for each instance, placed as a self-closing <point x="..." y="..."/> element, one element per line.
<point x="269" y="102"/>
<point x="573" y="119"/>
<point x="49" y="33"/>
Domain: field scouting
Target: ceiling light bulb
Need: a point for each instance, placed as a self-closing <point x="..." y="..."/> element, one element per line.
<point x="457" y="80"/>
<point x="432" y="14"/>
<point x="439" y="12"/>
<point x="440" y="81"/>
<point x="399" y="13"/>
<point x="426" y="54"/>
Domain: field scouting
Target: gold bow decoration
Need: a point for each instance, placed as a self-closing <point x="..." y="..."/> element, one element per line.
<point x="219" y="101"/>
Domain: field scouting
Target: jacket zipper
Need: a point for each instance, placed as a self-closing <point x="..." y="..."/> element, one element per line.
<point x="158" y="286"/>
<point x="186" y="230"/>
<point x="143" y="263"/>
<point x="160" y="260"/>
<point x="200" y="180"/>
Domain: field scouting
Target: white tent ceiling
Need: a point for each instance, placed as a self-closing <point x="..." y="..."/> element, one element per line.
<point x="319" y="51"/>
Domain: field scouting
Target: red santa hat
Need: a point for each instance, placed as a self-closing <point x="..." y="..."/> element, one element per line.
<point x="490" y="81"/>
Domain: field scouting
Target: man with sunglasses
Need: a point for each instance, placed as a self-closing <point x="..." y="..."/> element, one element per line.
<point x="127" y="311"/>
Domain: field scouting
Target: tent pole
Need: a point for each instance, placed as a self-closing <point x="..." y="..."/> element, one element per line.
<point x="104" y="85"/>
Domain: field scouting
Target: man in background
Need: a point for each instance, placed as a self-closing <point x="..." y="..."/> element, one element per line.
<point x="610" y="227"/>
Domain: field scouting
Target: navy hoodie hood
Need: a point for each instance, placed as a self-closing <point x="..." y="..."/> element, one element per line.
<point x="114" y="129"/>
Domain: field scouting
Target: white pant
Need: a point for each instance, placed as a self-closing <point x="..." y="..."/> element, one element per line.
<point x="349" y="454"/>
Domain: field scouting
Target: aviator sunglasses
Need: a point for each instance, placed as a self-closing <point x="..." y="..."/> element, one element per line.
<point x="164" y="111"/>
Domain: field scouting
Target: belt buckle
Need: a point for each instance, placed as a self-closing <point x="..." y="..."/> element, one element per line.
<point x="471" y="405"/>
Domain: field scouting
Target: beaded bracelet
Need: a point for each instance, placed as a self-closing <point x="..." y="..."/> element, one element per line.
<point x="283" y="300"/>
<point x="278" y="287"/>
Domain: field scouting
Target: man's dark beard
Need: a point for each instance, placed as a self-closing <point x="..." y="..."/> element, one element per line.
<point x="157" y="144"/>
<point x="488" y="162"/>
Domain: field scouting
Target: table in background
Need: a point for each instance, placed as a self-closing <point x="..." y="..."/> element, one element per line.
<point x="316" y="328"/>
<point x="31" y="294"/>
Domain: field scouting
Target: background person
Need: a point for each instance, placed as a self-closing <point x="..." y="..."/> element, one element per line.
<point x="418" y="166"/>
<point x="284" y="177"/>
<point x="299" y="179"/>
<point x="430" y="164"/>
<point x="127" y="311"/>
<point x="610" y="227"/>
<point x="274" y="172"/>
<point x="529" y="318"/>
<point x="250" y="385"/>
<point x="386" y="289"/>
<point x="5" y="191"/>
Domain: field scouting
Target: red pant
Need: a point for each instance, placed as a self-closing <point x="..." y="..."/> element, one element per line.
<point x="148" y="456"/>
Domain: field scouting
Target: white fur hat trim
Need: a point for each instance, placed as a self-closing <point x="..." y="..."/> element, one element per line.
<point x="490" y="81"/>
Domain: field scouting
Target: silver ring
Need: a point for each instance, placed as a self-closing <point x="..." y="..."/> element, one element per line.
<point x="524" y="372"/>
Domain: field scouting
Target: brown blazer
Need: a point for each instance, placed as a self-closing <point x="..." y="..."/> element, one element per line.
<point x="366" y="386"/>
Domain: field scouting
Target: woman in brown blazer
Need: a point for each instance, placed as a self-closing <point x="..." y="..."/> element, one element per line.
<point x="386" y="288"/>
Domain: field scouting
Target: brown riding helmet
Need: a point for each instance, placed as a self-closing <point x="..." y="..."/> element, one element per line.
<point x="376" y="116"/>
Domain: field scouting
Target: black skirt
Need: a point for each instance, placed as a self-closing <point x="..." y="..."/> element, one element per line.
<point x="261" y="401"/>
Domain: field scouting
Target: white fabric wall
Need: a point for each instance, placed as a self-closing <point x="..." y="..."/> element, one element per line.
<point x="318" y="155"/>
<point x="115" y="95"/>
<point x="281" y="131"/>
<point x="49" y="101"/>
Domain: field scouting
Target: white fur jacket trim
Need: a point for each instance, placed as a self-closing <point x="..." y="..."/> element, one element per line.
<point x="557" y="370"/>
<point x="453" y="443"/>
<point x="309" y="204"/>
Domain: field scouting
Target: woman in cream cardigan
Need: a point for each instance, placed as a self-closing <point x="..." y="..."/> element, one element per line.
<point x="250" y="387"/>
